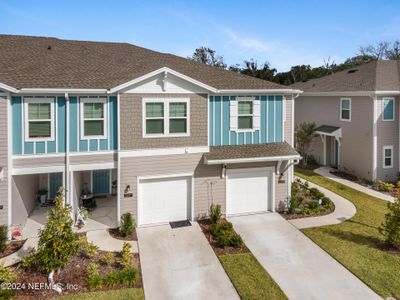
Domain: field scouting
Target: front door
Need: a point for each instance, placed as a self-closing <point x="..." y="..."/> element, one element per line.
<point x="101" y="182"/>
<point x="55" y="181"/>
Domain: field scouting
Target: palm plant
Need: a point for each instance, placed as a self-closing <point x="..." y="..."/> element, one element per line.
<point x="305" y="133"/>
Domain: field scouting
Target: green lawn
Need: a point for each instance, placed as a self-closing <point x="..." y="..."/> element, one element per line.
<point x="353" y="242"/>
<point x="122" y="294"/>
<point x="250" y="278"/>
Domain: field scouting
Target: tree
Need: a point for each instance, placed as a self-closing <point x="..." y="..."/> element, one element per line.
<point x="305" y="133"/>
<point x="208" y="56"/>
<point x="376" y="51"/>
<point x="394" y="51"/>
<point x="265" y="72"/>
<point x="391" y="225"/>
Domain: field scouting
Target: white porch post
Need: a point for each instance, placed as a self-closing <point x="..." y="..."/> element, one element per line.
<point x="324" y="142"/>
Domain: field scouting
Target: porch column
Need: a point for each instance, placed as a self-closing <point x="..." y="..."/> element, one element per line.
<point x="324" y="142"/>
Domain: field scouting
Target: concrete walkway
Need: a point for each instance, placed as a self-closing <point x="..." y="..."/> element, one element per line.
<point x="105" y="242"/>
<point x="301" y="268"/>
<point x="344" y="210"/>
<point x="180" y="264"/>
<point x="16" y="257"/>
<point x="325" y="171"/>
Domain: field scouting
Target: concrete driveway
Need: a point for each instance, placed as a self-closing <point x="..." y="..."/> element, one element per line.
<point x="300" y="267"/>
<point x="180" y="264"/>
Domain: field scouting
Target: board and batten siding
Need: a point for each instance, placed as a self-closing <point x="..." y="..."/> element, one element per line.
<point x="269" y="131"/>
<point x="4" y="160"/>
<point x="58" y="145"/>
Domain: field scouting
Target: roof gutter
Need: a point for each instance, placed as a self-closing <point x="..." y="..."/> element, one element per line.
<point x="268" y="91"/>
<point x="351" y="93"/>
<point x="8" y="88"/>
<point x="250" y="159"/>
<point x="61" y="91"/>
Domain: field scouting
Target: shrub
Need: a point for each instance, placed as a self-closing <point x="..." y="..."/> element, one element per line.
<point x="315" y="193"/>
<point x="215" y="213"/>
<point x="390" y="227"/>
<point x="126" y="276"/>
<point x="326" y="201"/>
<point x="57" y="241"/>
<point x="87" y="248"/>
<point x="3" y="237"/>
<point x="294" y="203"/>
<point x="126" y="256"/>
<point x="223" y="238"/>
<point x="127" y="224"/>
<point x="236" y="240"/>
<point x="108" y="258"/>
<point x="94" y="280"/>
<point x="313" y="204"/>
<point x="224" y="234"/>
<point x="7" y="275"/>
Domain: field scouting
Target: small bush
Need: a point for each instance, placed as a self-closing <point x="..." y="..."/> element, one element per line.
<point x="313" y="204"/>
<point x="390" y="227"/>
<point x="236" y="240"/>
<point x="223" y="239"/>
<point x="126" y="256"/>
<point x="127" y="224"/>
<point x="326" y="201"/>
<point x="126" y="276"/>
<point x="88" y="249"/>
<point x="94" y="280"/>
<point x="215" y="213"/>
<point x="294" y="203"/>
<point x="3" y="237"/>
<point x="108" y="258"/>
<point x="316" y="194"/>
<point x="7" y="275"/>
<point x="224" y="234"/>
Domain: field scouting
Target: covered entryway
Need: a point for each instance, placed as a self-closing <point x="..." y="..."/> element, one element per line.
<point x="331" y="138"/>
<point x="248" y="190"/>
<point x="164" y="200"/>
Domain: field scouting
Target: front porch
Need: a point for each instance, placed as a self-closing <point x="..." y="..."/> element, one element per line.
<point x="331" y="140"/>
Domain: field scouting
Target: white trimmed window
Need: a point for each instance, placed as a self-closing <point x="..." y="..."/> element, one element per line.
<point x="345" y="109"/>
<point x="387" y="157"/>
<point x="388" y="109"/>
<point x="94" y="118"/>
<point x="166" y="117"/>
<point x="39" y="119"/>
<point x="245" y="115"/>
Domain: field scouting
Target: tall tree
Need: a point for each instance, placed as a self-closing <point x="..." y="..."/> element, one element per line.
<point x="376" y="51"/>
<point x="265" y="72"/>
<point x="393" y="52"/>
<point x="208" y="56"/>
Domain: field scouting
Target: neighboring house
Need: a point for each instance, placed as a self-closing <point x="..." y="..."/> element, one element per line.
<point x="357" y="111"/>
<point x="165" y="135"/>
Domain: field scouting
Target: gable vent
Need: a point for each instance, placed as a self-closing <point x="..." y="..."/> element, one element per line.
<point x="352" y="71"/>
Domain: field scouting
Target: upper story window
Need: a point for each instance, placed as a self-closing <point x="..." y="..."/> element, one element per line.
<point x="387" y="157"/>
<point x="345" y="109"/>
<point x="388" y="109"/>
<point x="39" y="120"/>
<point x="165" y="117"/>
<point x="93" y="118"/>
<point x="245" y="115"/>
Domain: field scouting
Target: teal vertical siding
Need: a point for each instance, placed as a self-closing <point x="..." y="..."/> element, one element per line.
<point x="40" y="147"/>
<point x="113" y="119"/>
<point x="271" y="119"/>
<point x="73" y="126"/>
<point x="28" y="147"/>
<point x="278" y="119"/>
<point x="271" y="125"/>
<point x="103" y="145"/>
<point x="83" y="145"/>
<point x="17" y="138"/>
<point x="93" y="145"/>
<point x="61" y="137"/>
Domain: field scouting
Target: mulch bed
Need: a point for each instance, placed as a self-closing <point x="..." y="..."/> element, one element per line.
<point x="388" y="248"/>
<point x="12" y="247"/>
<point x="289" y="216"/>
<point x="115" y="233"/>
<point x="73" y="274"/>
<point x="345" y="175"/>
<point x="204" y="225"/>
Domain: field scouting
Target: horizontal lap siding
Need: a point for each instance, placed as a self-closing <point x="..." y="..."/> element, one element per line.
<point x="93" y="159"/>
<point x="4" y="160"/>
<point x="43" y="161"/>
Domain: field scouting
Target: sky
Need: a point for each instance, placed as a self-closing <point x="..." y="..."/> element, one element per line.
<point x="284" y="33"/>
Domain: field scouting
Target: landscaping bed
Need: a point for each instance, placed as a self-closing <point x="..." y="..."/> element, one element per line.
<point x="122" y="294"/>
<point x="357" y="243"/>
<point x="12" y="247"/>
<point x="307" y="202"/>
<point x="116" y="233"/>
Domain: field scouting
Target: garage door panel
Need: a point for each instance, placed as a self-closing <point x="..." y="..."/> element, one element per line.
<point x="247" y="190"/>
<point x="163" y="200"/>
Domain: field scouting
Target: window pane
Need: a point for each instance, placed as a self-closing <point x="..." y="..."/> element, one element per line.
<point x="245" y="122"/>
<point x="154" y="110"/>
<point x="388" y="161"/>
<point x="388" y="152"/>
<point x="245" y="108"/>
<point x="39" y="129"/>
<point x="345" y="114"/>
<point x="177" y="109"/>
<point x="345" y="104"/>
<point x="177" y="125"/>
<point x="93" y="128"/>
<point x="388" y="110"/>
<point x="93" y="110"/>
<point x="155" y="126"/>
<point x="38" y="111"/>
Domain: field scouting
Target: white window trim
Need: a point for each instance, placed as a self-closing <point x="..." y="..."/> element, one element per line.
<point x="166" y="102"/>
<point x="27" y="101"/>
<point x="245" y="99"/>
<point x="383" y="109"/>
<point x="82" y="120"/>
<point x="384" y="156"/>
<point x="341" y="108"/>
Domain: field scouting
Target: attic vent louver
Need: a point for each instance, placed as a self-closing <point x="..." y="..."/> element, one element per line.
<point x="48" y="47"/>
<point x="352" y="71"/>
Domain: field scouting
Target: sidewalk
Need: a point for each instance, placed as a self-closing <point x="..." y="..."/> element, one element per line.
<point x="325" y="171"/>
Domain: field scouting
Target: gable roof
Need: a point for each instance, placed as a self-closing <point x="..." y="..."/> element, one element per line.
<point x="381" y="75"/>
<point x="44" y="62"/>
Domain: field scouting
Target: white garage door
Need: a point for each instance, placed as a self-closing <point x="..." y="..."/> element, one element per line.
<point x="164" y="200"/>
<point x="247" y="190"/>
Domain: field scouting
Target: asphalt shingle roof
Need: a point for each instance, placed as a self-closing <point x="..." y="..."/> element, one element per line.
<point x="381" y="75"/>
<point x="327" y="128"/>
<point x="44" y="62"/>
<point x="250" y="151"/>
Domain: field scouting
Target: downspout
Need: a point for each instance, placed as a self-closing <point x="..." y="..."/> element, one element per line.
<point x="9" y="165"/>
<point x="118" y="160"/>
<point x="67" y="150"/>
<point x="374" y="137"/>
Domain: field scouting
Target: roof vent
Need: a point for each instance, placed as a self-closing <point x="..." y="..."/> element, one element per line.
<point x="48" y="47"/>
<point x="352" y="71"/>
